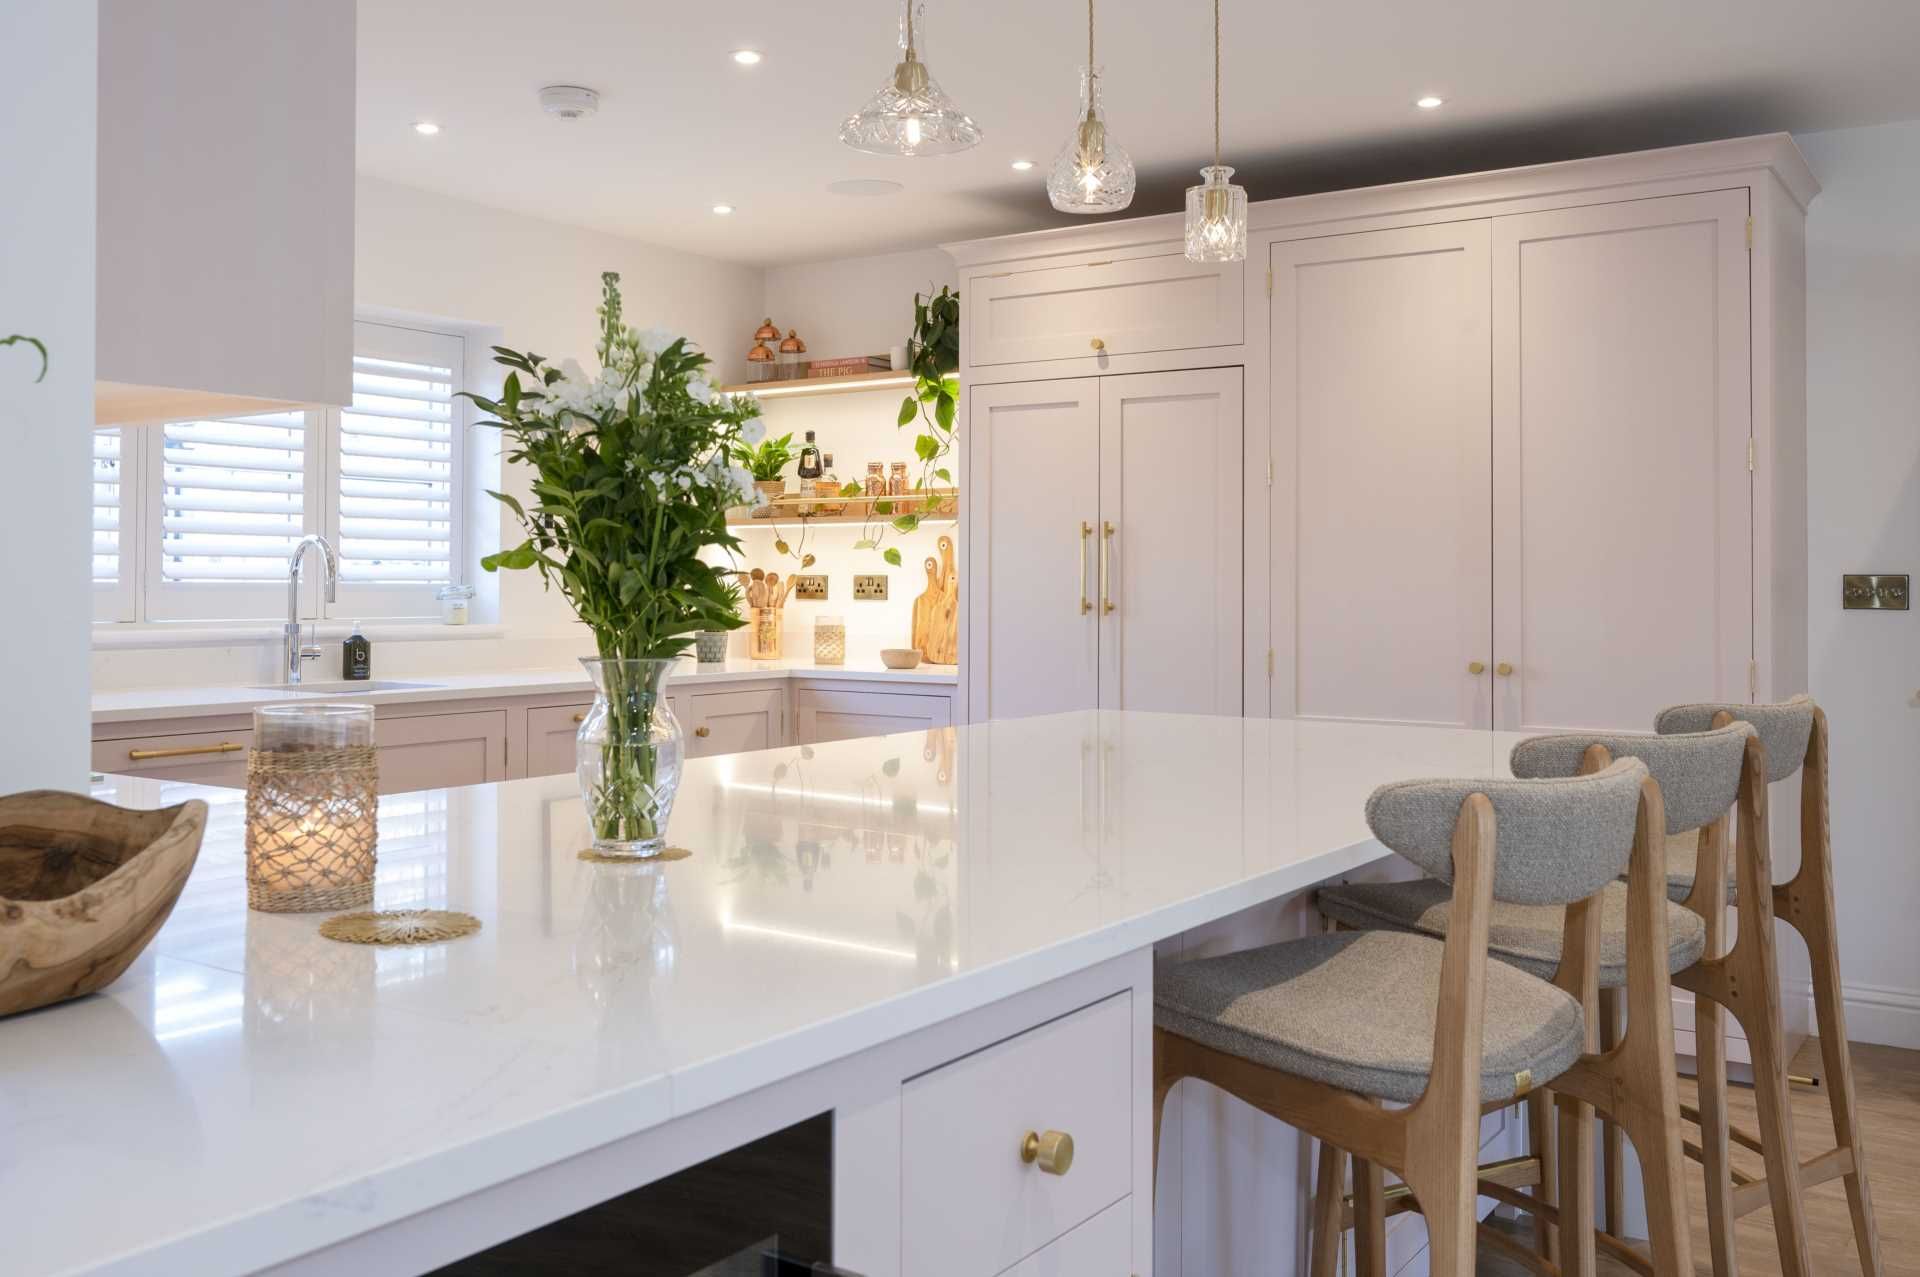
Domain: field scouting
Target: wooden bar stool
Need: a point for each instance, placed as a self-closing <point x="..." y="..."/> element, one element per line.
<point x="1586" y="949"/>
<point x="1746" y="982"/>
<point x="1322" y="1032"/>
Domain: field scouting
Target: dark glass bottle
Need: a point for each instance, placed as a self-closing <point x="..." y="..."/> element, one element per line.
<point x="809" y="467"/>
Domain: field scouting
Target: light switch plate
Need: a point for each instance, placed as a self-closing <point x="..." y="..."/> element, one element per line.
<point x="809" y="587"/>
<point x="870" y="588"/>
<point x="1882" y="593"/>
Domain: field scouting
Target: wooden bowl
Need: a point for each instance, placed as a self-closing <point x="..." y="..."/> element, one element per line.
<point x="84" y="885"/>
<point x="899" y="658"/>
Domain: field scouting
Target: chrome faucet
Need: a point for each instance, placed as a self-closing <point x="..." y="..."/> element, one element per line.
<point x="294" y="651"/>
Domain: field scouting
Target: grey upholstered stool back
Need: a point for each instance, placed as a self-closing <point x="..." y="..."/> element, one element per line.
<point x="1556" y="841"/>
<point x="1699" y="773"/>
<point x="1784" y="728"/>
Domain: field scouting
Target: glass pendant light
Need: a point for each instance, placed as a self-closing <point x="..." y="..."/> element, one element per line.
<point x="1092" y="173"/>
<point x="1216" y="209"/>
<point x="910" y="114"/>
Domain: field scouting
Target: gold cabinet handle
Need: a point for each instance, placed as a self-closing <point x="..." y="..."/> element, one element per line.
<point x="1106" y="569"/>
<point x="1086" y="530"/>
<point x="1098" y="344"/>
<point x="1052" y="1151"/>
<point x="703" y="731"/>
<point x="581" y="717"/>
<point x="185" y="751"/>
<point x="1503" y="669"/>
<point x="1476" y="667"/>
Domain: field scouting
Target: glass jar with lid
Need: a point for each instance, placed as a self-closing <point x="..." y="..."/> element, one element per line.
<point x="455" y="603"/>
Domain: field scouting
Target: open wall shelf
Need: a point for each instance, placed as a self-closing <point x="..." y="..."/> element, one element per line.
<point x="795" y="508"/>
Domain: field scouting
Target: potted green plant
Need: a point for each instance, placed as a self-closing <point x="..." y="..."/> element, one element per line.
<point x="710" y="646"/>
<point x="933" y="356"/>
<point x="633" y="478"/>
<point x="765" y="462"/>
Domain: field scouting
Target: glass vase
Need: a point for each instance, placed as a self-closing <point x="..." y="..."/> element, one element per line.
<point x="629" y="752"/>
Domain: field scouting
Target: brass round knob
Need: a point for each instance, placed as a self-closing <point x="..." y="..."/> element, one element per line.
<point x="1053" y="1151"/>
<point x="1503" y="669"/>
<point x="1476" y="667"/>
<point x="1098" y="344"/>
<point x="703" y="731"/>
<point x="580" y="717"/>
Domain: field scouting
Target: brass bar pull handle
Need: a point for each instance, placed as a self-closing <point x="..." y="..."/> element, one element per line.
<point x="1106" y="569"/>
<point x="185" y="751"/>
<point x="1086" y="530"/>
<point x="1052" y="1152"/>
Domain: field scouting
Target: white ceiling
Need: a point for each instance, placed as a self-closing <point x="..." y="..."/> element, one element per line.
<point x="1317" y="96"/>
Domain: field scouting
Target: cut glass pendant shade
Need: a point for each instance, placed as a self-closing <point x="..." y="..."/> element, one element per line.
<point x="1216" y="217"/>
<point x="1092" y="173"/>
<point x="910" y="114"/>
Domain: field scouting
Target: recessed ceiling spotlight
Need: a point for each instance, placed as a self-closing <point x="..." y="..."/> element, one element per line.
<point x="1430" y="103"/>
<point x="425" y="128"/>
<point x="1021" y="166"/>
<point x="722" y="210"/>
<point x="748" y="57"/>
<point x="569" y="101"/>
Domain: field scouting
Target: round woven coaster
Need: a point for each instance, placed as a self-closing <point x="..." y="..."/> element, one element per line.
<point x="602" y="858"/>
<point x="399" y="926"/>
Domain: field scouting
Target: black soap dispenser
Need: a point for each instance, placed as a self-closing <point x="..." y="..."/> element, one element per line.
<point x="356" y="656"/>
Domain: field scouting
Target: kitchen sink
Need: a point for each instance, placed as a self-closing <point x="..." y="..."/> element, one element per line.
<point x="344" y="687"/>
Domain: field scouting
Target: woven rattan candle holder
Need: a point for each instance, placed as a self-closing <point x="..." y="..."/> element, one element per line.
<point x="312" y="802"/>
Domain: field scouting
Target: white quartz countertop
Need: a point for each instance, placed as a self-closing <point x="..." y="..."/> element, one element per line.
<point x="249" y="1092"/>
<point x="136" y="704"/>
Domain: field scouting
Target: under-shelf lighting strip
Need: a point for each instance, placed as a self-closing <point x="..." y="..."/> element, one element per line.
<point x="824" y="385"/>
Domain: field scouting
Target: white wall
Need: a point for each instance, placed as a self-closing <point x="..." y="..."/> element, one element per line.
<point x="47" y="202"/>
<point x="1863" y="428"/>
<point x="856" y="305"/>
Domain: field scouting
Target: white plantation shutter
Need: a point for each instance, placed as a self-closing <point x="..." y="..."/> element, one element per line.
<point x="397" y="460"/>
<point x="232" y="497"/>
<point x="106" y="506"/>
<point x="114" y="525"/>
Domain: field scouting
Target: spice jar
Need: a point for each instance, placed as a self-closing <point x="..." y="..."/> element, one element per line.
<point x="897" y="479"/>
<point x="876" y="478"/>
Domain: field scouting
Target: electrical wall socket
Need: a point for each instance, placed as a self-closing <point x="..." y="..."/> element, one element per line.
<point x="871" y="588"/>
<point x="809" y="587"/>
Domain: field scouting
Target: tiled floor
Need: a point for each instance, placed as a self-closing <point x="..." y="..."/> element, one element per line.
<point x="1889" y="1082"/>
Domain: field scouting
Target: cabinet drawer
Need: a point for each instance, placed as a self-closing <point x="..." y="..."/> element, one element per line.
<point x="1129" y="307"/>
<point x="205" y="758"/>
<point x="837" y="715"/>
<point x="1101" y="1247"/>
<point x="550" y="738"/>
<point x="970" y="1206"/>
<point x="439" y="751"/>
<point x="732" y="722"/>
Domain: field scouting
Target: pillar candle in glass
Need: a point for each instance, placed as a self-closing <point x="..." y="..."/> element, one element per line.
<point x="829" y="640"/>
<point x="312" y="799"/>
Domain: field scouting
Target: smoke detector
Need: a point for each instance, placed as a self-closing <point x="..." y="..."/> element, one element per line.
<point x="569" y="101"/>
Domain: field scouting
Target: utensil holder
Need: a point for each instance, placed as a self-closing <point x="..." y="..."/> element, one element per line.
<point x="763" y="637"/>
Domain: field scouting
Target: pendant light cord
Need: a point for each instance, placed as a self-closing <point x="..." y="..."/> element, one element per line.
<point x="1216" y="83"/>
<point x="1089" y="37"/>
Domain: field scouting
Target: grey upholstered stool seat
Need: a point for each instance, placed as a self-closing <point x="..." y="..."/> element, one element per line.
<point x="1356" y="1011"/>
<point x="1527" y="936"/>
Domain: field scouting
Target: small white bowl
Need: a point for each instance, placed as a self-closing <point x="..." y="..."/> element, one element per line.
<point x="899" y="658"/>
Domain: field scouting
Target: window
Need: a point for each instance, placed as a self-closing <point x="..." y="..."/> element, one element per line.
<point x="194" y="520"/>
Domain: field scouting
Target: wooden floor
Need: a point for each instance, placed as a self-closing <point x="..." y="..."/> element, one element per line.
<point x="1889" y="1082"/>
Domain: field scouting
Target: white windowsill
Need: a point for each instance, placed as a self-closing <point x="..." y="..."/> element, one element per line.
<point x="108" y="636"/>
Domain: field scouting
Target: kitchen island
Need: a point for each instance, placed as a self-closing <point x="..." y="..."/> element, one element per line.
<point x="943" y="938"/>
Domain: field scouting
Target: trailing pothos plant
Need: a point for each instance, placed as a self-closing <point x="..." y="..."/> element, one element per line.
<point x="36" y="343"/>
<point x="933" y="356"/>
<point x="633" y="475"/>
